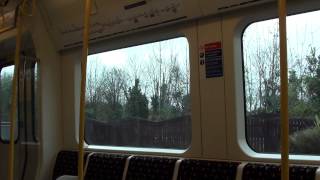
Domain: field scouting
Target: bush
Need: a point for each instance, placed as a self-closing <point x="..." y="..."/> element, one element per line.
<point x="306" y="141"/>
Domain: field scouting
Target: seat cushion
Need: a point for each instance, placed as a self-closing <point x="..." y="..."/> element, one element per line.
<point x="151" y="168"/>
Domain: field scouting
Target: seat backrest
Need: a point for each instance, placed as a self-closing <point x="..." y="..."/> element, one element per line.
<point x="273" y="171"/>
<point x="112" y="166"/>
<point x="150" y="168"/>
<point x="207" y="170"/>
<point x="105" y="166"/>
<point x="303" y="172"/>
<point x="66" y="164"/>
<point x="261" y="171"/>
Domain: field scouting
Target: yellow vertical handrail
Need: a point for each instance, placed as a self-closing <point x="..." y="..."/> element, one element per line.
<point x="13" y="110"/>
<point x="34" y="3"/>
<point x="86" y="30"/>
<point x="284" y="90"/>
<point x="14" y="95"/>
<point x="23" y="7"/>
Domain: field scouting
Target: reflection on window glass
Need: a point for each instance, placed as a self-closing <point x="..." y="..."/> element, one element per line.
<point x="140" y="96"/>
<point x="262" y="84"/>
<point x="35" y="100"/>
<point x="6" y="77"/>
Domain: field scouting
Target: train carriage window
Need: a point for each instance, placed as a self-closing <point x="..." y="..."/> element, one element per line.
<point x="6" y="76"/>
<point x="140" y="96"/>
<point x="262" y="84"/>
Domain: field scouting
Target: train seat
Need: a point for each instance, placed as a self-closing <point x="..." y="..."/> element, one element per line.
<point x="207" y="170"/>
<point x="253" y="171"/>
<point x="101" y="166"/>
<point x="151" y="168"/>
<point x="303" y="172"/>
<point x="66" y="164"/>
<point x="124" y="167"/>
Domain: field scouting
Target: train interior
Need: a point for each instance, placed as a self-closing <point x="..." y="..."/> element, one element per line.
<point x="175" y="89"/>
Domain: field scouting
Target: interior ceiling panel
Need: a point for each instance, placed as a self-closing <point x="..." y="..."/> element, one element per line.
<point x="109" y="17"/>
<point x="218" y="6"/>
<point x="112" y="17"/>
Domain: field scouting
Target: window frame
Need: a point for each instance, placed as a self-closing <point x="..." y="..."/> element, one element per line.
<point x="34" y="112"/>
<point x="233" y="25"/>
<point x="244" y="84"/>
<point x="148" y="149"/>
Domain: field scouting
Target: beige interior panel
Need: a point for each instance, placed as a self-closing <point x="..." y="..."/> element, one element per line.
<point x="212" y="94"/>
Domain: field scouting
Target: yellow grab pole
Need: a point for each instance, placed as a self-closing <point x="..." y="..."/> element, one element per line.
<point x="87" y="11"/>
<point x="13" y="109"/>
<point x="34" y="2"/>
<point x="23" y="7"/>
<point x="284" y="91"/>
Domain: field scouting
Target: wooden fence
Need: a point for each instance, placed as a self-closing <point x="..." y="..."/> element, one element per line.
<point x="263" y="131"/>
<point x="174" y="133"/>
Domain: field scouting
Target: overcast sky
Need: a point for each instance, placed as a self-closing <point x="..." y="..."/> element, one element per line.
<point x="303" y="32"/>
<point x="142" y="56"/>
<point x="142" y="53"/>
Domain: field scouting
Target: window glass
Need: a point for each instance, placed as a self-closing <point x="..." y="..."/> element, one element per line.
<point x="6" y="77"/>
<point x="140" y="96"/>
<point x="262" y="84"/>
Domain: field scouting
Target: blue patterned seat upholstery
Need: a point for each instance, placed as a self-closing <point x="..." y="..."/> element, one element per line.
<point x="303" y="172"/>
<point x="273" y="172"/>
<point x="110" y="166"/>
<point x="105" y="166"/>
<point x="66" y="164"/>
<point x="151" y="168"/>
<point x="261" y="172"/>
<point x="207" y="170"/>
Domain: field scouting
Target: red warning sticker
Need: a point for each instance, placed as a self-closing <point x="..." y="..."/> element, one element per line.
<point x="212" y="46"/>
<point x="211" y="57"/>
